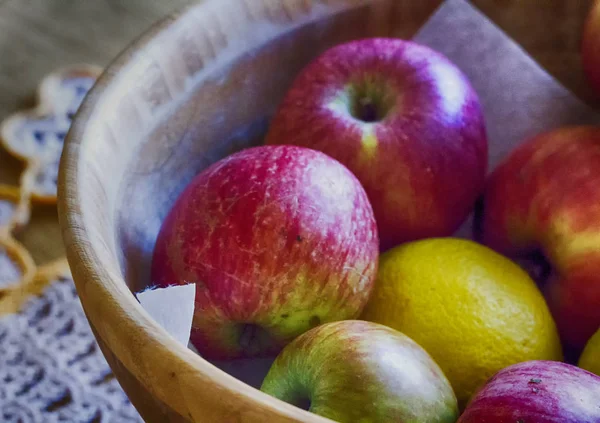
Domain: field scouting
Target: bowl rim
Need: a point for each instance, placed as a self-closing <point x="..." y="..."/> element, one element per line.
<point x="92" y="279"/>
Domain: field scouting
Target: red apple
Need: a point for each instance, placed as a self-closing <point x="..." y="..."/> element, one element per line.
<point x="537" y="392"/>
<point x="278" y="239"/>
<point x="405" y="120"/>
<point x="544" y="200"/>
<point x="590" y="47"/>
<point x="356" y="371"/>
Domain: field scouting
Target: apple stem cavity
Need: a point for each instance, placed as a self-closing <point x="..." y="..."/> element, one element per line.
<point x="371" y="100"/>
<point x="537" y="265"/>
<point x="299" y="399"/>
<point x="253" y="338"/>
<point x="304" y="403"/>
<point x="367" y="111"/>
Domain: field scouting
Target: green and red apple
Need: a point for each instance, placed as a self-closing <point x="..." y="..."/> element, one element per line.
<point x="544" y="201"/>
<point x="277" y="239"/>
<point x="405" y="120"/>
<point x="537" y="392"/>
<point x="357" y="371"/>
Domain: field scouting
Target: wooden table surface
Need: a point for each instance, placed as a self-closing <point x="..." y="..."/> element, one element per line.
<point x="38" y="36"/>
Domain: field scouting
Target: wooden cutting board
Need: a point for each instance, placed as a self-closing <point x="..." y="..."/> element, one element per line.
<point x="39" y="36"/>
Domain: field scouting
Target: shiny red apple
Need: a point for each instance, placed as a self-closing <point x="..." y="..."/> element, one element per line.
<point x="537" y="392"/>
<point x="543" y="201"/>
<point x="405" y="120"/>
<point x="277" y="239"/>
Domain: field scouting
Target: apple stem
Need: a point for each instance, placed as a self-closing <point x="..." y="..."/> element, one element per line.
<point x="367" y="110"/>
<point x="371" y="99"/>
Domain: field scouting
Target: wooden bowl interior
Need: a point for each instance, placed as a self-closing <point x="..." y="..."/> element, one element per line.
<point x="225" y="110"/>
<point x="196" y="88"/>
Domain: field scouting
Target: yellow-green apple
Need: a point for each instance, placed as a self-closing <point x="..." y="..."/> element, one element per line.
<point x="590" y="47"/>
<point x="544" y="200"/>
<point x="277" y="239"/>
<point x="537" y="392"/>
<point x="356" y="371"/>
<point x="405" y="120"/>
<point x="590" y="357"/>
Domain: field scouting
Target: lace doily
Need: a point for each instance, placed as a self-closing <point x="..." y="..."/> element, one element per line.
<point x="51" y="368"/>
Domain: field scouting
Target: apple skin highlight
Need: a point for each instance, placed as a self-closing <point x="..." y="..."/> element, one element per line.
<point x="537" y="391"/>
<point x="355" y="371"/>
<point x="278" y="239"/>
<point x="545" y="199"/>
<point x="404" y="120"/>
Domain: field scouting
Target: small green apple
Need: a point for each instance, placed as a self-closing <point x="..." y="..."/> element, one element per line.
<point x="355" y="371"/>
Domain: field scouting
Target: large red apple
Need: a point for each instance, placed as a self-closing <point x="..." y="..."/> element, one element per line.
<point x="405" y="120"/>
<point x="537" y="392"/>
<point x="356" y="371"/>
<point x="590" y="47"/>
<point x="278" y="239"/>
<point x="544" y="201"/>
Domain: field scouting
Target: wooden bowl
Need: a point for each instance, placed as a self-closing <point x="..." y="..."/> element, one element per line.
<point x="199" y="86"/>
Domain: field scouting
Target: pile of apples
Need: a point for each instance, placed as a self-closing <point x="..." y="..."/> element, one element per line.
<point x="377" y="143"/>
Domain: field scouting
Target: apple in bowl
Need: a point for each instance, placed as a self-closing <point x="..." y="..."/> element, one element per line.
<point x="277" y="239"/>
<point x="542" y="207"/>
<point x="537" y="392"/>
<point x="405" y="120"/>
<point x="357" y="371"/>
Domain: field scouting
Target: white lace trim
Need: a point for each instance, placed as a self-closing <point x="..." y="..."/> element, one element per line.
<point x="51" y="368"/>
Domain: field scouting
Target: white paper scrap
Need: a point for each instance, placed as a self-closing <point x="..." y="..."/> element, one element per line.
<point x="172" y="308"/>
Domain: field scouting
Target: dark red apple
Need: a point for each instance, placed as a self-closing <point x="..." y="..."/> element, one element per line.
<point x="278" y="239"/>
<point x="405" y="120"/>
<point x="543" y="202"/>
<point x="537" y="392"/>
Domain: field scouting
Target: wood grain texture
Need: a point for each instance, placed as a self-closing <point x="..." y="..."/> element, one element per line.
<point x="150" y="124"/>
<point x="550" y="31"/>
